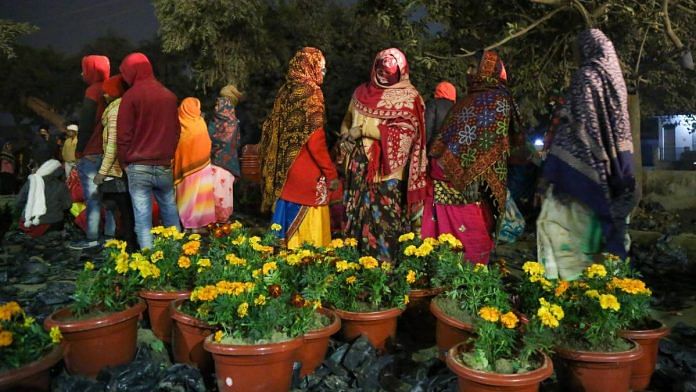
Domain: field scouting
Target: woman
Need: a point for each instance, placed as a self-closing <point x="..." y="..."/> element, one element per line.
<point x="468" y="166"/>
<point x="297" y="170"/>
<point x="385" y="121"/>
<point x="589" y="167"/>
<point x="224" y="131"/>
<point x="194" y="177"/>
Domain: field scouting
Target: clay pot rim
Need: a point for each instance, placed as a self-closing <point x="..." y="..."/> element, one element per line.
<point x="164" y="295"/>
<point x="369" y="316"/>
<point x="92" y="323"/>
<point x="252" y="349"/>
<point x="182" y="317"/>
<point x="655" y="333"/>
<point x="46" y="362"/>
<point x="498" y="379"/>
<point x="326" y="331"/>
<point x="449" y="320"/>
<point x="429" y="292"/>
<point x="600" y="356"/>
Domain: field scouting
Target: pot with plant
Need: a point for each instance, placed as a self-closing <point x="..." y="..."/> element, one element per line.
<point x="100" y="326"/>
<point x="27" y="351"/>
<point x="174" y="254"/>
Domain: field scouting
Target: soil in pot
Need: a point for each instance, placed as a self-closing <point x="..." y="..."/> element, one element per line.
<point x="94" y="343"/>
<point x="378" y="327"/>
<point x="417" y="322"/>
<point x="34" y="376"/>
<point x="316" y="342"/>
<point x="648" y="337"/>
<point x="453" y="326"/>
<point x="471" y="380"/>
<point x="254" y="368"/>
<point x="158" y="311"/>
<point x="587" y="371"/>
<point x="188" y="334"/>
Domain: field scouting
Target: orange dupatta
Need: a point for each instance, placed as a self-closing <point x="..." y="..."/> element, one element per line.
<point x="193" y="151"/>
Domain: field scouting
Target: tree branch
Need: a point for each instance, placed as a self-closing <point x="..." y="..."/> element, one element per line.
<point x="668" y="26"/>
<point x="686" y="9"/>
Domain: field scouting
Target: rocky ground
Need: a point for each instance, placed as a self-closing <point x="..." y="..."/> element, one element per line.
<point x="40" y="275"/>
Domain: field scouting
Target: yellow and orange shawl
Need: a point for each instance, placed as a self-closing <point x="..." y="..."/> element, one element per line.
<point x="297" y="112"/>
<point x="193" y="151"/>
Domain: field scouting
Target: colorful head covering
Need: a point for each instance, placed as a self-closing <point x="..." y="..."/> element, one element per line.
<point x="297" y="112"/>
<point x="446" y="90"/>
<point x="224" y="133"/>
<point x="473" y="144"/>
<point x="113" y="86"/>
<point x="591" y="158"/>
<point x="400" y="108"/>
<point x="230" y="92"/>
<point x="193" y="151"/>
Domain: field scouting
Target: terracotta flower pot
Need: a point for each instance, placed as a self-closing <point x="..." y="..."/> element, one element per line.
<point x="158" y="311"/>
<point x="95" y="343"/>
<point x="643" y="368"/>
<point x="449" y="331"/>
<point x="188" y="334"/>
<point x="420" y="298"/>
<point x="316" y="342"/>
<point x="376" y="326"/>
<point x="587" y="371"/>
<point x="34" y="376"/>
<point x="251" y="368"/>
<point x="471" y="380"/>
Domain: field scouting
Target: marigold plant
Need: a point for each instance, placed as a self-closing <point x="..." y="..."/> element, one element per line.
<point x="420" y="258"/>
<point x="22" y="339"/>
<point x="171" y="262"/>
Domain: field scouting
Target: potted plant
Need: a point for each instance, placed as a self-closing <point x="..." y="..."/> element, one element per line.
<point x="504" y="355"/>
<point x="368" y="295"/>
<point x="100" y="326"/>
<point x="27" y="352"/>
<point x="259" y="319"/>
<point x="591" y="355"/>
<point x="174" y="254"/>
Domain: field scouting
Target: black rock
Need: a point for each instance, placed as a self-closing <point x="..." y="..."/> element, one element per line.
<point x="684" y="330"/>
<point x="181" y="378"/>
<point x="137" y="376"/>
<point x="360" y="351"/>
<point x="68" y="383"/>
<point x="334" y="383"/>
<point x="686" y="359"/>
<point x="668" y="347"/>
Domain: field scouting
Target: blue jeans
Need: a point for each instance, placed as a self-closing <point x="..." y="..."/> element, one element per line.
<point x="86" y="170"/>
<point x="145" y="181"/>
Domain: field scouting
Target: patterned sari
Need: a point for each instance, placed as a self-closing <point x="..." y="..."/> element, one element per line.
<point x="224" y="133"/>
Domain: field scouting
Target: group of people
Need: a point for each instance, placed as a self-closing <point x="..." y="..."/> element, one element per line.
<point x="399" y="167"/>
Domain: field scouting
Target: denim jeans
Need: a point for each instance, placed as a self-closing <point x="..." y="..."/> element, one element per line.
<point x="87" y="169"/>
<point x="145" y="181"/>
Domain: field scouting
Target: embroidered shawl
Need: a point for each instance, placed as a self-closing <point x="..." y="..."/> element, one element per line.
<point x="224" y="133"/>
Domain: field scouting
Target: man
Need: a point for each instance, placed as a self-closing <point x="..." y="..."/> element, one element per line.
<point x="438" y="107"/>
<point x="147" y="135"/>
<point x="69" y="146"/>
<point x="95" y="69"/>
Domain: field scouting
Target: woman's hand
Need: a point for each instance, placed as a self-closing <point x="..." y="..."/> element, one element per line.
<point x="355" y="132"/>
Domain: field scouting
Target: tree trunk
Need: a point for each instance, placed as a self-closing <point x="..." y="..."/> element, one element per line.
<point x="634" y="116"/>
<point x="46" y="112"/>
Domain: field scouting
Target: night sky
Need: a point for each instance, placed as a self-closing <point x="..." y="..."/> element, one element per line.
<point x="67" y="25"/>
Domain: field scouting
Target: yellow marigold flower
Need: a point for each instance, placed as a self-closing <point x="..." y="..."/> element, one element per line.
<point x="424" y="250"/>
<point x="219" y="335"/>
<point x="350" y="242"/>
<point x="239" y="240"/>
<point x="489" y="313"/>
<point x="386" y="266"/>
<point x="243" y="310"/>
<point x="448" y="238"/>
<point x="55" y="334"/>
<point x="509" y="320"/>
<point x="8" y="310"/>
<point x="206" y="293"/>
<point x="5" y="338"/>
<point x="114" y="244"/>
<point x="89" y="266"/>
<point x="269" y="267"/>
<point x="631" y="286"/>
<point x="234" y="260"/>
<point x="351" y="279"/>
<point x="261" y="248"/>
<point x="411" y="276"/>
<point x="432" y="242"/>
<point x="407" y="237"/>
<point x="478" y="267"/>
<point x="276" y="227"/>
<point x="233" y="288"/>
<point x="354" y="266"/>
<point x="293" y="259"/>
<point x="546" y="284"/>
<point x="155" y="230"/>
<point x="260" y="300"/>
<point x="406" y="299"/>
<point x="557" y="312"/>
<point x="544" y="302"/>
<point x="547" y="318"/>
<point x="368" y="262"/>
<point x="255" y="239"/>
<point x="609" y="301"/>
<point x="596" y="270"/>
<point x="204" y="263"/>
<point x="194" y="237"/>
<point x="28" y="321"/>
<point x="157" y="256"/>
<point x="592" y="293"/>
<point x="336" y="243"/>
<point x="256" y="273"/>
<point x="533" y="268"/>
<point x="410" y="250"/>
<point x="236" y="225"/>
<point x="122" y="263"/>
<point x="184" y="262"/>
<point x="561" y="287"/>
<point x="191" y="248"/>
<point x="316" y="304"/>
<point x="342" y="265"/>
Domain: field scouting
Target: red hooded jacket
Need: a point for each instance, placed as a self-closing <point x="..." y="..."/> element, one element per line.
<point x="148" y="121"/>
<point x="95" y="70"/>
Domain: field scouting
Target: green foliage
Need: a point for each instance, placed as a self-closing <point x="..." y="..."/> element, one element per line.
<point x="9" y="32"/>
<point x="175" y="256"/>
<point x="427" y="263"/>
<point x="22" y="339"/>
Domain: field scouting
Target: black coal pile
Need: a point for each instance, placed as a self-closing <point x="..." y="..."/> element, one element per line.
<point x="357" y="367"/>
<point x="676" y="363"/>
<point x="652" y="216"/>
